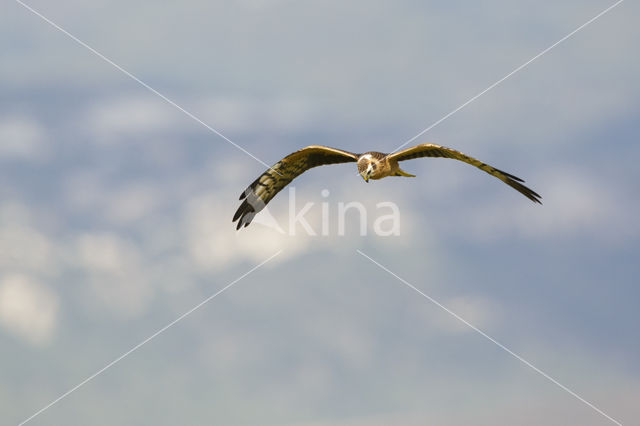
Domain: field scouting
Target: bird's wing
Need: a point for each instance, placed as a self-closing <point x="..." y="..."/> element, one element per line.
<point x="263" y="189"/>
<point x="432" y="150"/>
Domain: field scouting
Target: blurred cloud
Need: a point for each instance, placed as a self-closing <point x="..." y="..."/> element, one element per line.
<point x="134" y="202"/>
<point x="22" y="247"/>
<point x="477" y="311"/>
<point x="352" y="343"/>
<point x="576" y="202"/>
<point x="129" y="217"/>
<point x="21" y="138"/>
<point x="114" y="119"/>
<point x="114" y="272"/>
<point x="236" y="114"/>
<point x="105" y="252"/>
<point x="28" y="309"/>
<point x="210" y="234"/>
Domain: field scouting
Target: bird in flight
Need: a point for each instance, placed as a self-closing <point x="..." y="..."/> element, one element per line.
<point x="371" y="165"/>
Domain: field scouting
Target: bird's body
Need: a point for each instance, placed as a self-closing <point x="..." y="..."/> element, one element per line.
<point x="381" y="166"/>
<point x="371" y="165"/>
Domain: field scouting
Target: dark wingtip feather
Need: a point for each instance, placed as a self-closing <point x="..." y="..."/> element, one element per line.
<point x="239" y="212"/>
<point x="524" y="190"/>
<point x="510" y="176"/>
<point x="244" y="209"/>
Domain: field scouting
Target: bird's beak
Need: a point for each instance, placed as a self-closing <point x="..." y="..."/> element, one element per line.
<point x="366" y="179"/>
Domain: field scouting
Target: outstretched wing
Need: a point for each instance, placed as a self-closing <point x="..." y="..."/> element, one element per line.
<point x="263" y="189"/>
<point x="432" y="150"/>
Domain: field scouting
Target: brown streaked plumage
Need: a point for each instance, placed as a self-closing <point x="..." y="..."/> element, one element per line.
<point x="371" y="165"/>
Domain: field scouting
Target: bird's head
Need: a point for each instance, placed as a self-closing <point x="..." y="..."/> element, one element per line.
<point x="366" y="168"/>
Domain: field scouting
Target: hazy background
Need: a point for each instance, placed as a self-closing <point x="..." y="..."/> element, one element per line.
<point x="115" y="213"/>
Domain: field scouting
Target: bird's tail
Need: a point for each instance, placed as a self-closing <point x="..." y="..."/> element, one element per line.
<point x="401" y="172"/>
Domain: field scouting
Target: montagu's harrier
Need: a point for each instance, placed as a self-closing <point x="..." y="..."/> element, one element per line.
<point x="371" y="165"/>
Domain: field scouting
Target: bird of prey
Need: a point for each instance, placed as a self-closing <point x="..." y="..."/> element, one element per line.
<point x="371" y="165"/>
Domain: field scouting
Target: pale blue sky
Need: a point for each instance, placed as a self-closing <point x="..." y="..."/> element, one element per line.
<point x="115" y="214"/>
